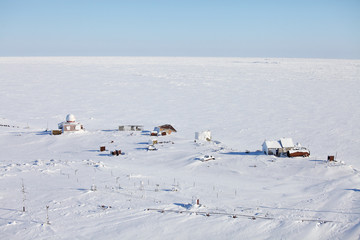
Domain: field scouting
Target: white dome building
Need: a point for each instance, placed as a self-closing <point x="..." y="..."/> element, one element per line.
<point x="70" y="118"/>
<point x="70" y="125"/>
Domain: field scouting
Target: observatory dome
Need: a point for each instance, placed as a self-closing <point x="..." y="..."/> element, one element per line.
<point x="70" y="118"/>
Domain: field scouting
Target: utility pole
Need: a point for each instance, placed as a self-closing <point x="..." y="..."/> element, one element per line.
<point x="47" y="215"/>
<point x="24" y="196"/>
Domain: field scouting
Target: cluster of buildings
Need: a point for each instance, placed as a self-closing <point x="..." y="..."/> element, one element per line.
<point x="281" y="147"/>
<point x="284" y="147"/>
<point x="71" y="125"/>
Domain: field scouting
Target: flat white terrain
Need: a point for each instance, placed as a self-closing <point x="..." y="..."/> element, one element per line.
<point x="243" y="194"/>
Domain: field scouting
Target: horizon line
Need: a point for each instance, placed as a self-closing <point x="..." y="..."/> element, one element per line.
<point x="164" y="56"/>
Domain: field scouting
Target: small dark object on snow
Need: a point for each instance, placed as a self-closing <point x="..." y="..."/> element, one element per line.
<point x="116" y="152"/>
<point x="56" y="132"/>
<point x="102" y="148"/>
<point x="331" y="158"/>
<point x="104" y="207"/>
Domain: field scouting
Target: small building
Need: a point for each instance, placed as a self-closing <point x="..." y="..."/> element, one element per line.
<point x="70" y="125"/>
<point x="165" y="129"/>
<point x="279" y="147"/>
<point x="56" y="132"/>
<point x="271" y="147"/>
<point x="131" y="128"/>
<point x="203" y="136"/>
<point x="286" y="144"/>
<point x="153" y="141"/>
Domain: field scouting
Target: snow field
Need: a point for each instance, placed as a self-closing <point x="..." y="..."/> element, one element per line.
<point x="144" y="194"/>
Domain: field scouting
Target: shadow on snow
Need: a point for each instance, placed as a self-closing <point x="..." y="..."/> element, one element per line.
<point x="257" y="153"/>
<point x="186" y="206"/>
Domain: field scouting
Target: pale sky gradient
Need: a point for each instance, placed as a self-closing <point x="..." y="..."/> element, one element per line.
<point x="210" y="28"/>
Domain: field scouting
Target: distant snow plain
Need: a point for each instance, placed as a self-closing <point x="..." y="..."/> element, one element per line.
<point x="243" y="193"/>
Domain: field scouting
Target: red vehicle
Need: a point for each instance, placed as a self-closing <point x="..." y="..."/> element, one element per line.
<point x="298" y="152"/>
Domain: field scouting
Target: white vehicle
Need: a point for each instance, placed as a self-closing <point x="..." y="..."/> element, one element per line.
<point x="151" y="148"/>
<point x="207" y="158"/>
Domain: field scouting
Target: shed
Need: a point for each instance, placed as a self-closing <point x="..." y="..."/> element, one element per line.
<point x="203" y="136"/>
<point x="286" y="144"/>
<point x="271" y="147"/>
<point x="166" y="128"/>
<point x="131" y="128"/>
<point x="56" y="132"/>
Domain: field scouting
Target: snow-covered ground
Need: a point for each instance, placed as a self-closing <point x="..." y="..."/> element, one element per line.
<point x="152" y="194"/>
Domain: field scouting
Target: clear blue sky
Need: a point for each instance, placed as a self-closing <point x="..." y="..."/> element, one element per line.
<point x="243" y="28"/>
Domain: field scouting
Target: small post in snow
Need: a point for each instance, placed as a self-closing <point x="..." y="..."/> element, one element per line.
<point x="24" y="196"/>
<point x="47" y="215"/>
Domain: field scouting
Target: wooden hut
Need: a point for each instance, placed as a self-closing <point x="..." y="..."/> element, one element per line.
<point x="165" y="129"/>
